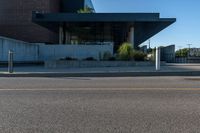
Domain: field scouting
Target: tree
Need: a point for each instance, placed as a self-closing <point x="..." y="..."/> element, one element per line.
<point x="182" y="52"/>
<point x="86" y="9"/>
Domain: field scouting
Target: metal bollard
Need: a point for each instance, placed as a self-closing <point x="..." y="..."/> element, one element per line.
<point x="157" y="58"/>
<point x="10" y="61"/>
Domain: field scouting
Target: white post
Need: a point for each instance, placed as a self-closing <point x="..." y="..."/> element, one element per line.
<point x="157" y="58"/>
<point x="10" y="61"/>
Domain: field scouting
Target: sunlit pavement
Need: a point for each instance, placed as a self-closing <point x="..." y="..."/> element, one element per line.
<point x="100" y="105"/>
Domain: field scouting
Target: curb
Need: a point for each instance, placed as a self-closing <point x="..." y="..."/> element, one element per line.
<point x="109" y="74"/>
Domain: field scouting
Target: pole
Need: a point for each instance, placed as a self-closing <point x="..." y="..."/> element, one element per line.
<point x="149" y="44"/>
<point x="10" y="61"/>
<point x="189" y="49"/>
<point x="157" y="58"/>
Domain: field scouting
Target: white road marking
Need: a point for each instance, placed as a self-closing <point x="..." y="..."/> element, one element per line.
<point x="103" y="89"/>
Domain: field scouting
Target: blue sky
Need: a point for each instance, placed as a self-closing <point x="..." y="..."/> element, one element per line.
<point x="185" y="31"/>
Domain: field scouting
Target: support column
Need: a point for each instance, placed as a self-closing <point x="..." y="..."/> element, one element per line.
<point x="61" y="35"/>
<point x="67" y="37"/>
<point x="131" y="35"/>
<point x="132" y="39"/>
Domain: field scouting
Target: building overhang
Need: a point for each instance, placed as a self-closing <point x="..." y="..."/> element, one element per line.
<point x="145" y="25"/>
<point x="95" y="17"/>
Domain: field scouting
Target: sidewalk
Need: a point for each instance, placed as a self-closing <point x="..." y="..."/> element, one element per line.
<point x="40" y="71"/>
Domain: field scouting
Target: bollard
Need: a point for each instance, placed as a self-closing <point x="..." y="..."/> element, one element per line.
<point x="10" y="61"/>
<point x="157" y="58"/>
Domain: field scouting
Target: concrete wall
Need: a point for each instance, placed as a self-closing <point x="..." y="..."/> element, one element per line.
<point x="181" y="60"/>
<point x="27" y="52"/>
<point x="187" y="60"/>
<point x="22" y="51"/>
<point x="55" y="52"/>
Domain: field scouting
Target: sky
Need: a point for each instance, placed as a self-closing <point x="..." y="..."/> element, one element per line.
<point x="186" y="30"/>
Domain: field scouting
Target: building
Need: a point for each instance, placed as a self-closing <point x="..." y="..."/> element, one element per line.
<point x="168" y="53"/>
<point x="57" y="22"/>
<point x="16" y="20"/>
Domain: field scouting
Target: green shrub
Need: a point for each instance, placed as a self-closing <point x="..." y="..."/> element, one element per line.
<point x="125" y="51"/>
<point x="151" y="55"/>
<point x="89" y="59"/>
<point x="139" y="55"/>
<point x="69" y="59"/>
<point x="107" y="55"/>
<point x="112" y="59"/>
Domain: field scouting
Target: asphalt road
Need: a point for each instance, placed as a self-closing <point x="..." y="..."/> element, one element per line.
<point x="100" y="105"/>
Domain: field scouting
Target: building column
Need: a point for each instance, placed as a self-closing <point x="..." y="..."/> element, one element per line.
<point x="131" y="36"/>
<point x="67" y="37"/>
<point x="61" y="35"/>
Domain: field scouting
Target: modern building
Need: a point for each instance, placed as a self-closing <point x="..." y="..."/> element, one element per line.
<point x="58" y="22"/>
<point x="16" y="20"/>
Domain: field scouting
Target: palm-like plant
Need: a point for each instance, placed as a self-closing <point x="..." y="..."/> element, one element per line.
<point x="86" y="9"/>
<point x="125" y="51"/>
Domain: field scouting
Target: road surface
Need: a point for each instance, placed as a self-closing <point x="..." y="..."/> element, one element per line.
<point x="100" y="105"/>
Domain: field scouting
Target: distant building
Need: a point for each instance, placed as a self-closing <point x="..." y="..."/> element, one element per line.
<point x="168" y="53"/>
<point x="194" y="55"/>
<point x="57" y="22"/>
<point x="194" y="52"/>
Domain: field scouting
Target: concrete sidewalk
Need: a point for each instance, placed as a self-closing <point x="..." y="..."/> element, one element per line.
<point x="40" y="71"/>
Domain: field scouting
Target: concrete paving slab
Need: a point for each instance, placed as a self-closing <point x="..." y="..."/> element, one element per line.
<point x="41" y="71"/>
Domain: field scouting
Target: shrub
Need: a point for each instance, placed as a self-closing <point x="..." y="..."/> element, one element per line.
<point x="138" y="55"/>
<point x="112" y="59"/>
<point x="153" y="55"/>
<point x="107" y="55"/>
<point x="89" y="59"/>
<point x="68" y="58"/>
<point x="125" y="51"/>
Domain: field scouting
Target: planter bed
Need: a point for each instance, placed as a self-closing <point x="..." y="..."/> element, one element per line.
<point x="94" y="64"/>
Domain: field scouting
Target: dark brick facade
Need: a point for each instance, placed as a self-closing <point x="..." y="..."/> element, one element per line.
<point x="16" y="20"/>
